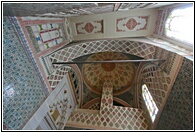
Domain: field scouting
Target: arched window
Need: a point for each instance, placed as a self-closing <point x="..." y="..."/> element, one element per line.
<point x="180" y="25"/>
<point x="150" y="104"/>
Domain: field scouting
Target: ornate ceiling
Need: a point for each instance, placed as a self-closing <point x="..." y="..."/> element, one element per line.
<point x="122" y="76"/>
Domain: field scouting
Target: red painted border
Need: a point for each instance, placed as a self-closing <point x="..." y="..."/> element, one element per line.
<point x="36" y="56"/>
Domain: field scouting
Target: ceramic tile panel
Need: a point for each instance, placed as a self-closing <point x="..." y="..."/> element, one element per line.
<point x="44" y="36"/>
<point x="178" y="111"/>
<point x="23" y="92"/>
<point x="29" y="52"/>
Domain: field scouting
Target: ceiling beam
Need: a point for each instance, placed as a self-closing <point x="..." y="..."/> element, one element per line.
<point x="108" y="61"/>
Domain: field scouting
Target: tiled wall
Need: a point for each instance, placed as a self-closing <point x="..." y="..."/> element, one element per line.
<point x="178" y="111"/>
<point x="23" y="92"/>
<point x="55" y="110"/>
<point x="37" y="44"/>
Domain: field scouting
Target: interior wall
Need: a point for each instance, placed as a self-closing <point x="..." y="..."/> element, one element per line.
<point x="158" y="84"/>
<point x="134" y="23"/>
<point x="178" y="111"/>
<point x="159" y="78"/>
<point x="29" y="30"/>
<point x="23" y="91"/>
<point x="55" y="110"/>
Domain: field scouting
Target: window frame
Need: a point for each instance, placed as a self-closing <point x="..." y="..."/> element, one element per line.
<point x="153" y="104"/>
<point x="172" y="39"/>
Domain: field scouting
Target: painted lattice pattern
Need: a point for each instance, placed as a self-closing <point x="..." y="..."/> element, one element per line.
<point x="117" y="118"/>
<point x="75" y="82"/>
<point x="136" y="48"/>
<point x="107" y="96"/>
<point x="110" y="117"/>
<point x="157" y="82"/>
<point x="169" y="57"/>
<point x="56" y="77"/>
<point x="95" y="106"/>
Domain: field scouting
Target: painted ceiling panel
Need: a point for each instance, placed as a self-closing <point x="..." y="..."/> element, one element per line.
<point x="91" y="93"/>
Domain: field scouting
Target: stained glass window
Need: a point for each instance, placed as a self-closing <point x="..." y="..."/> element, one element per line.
<point x="180" y="24"/>
<point x="150" y="104"/>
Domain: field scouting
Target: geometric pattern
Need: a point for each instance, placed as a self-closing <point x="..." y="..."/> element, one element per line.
<point x="56" y="76"/>
<point x="125" y="99"/>
<point x="178" y="111"/>
<point x="95" y="106"/>
<point x="159" y="82"/>
<point x="76" y="82"/>
<point x="135" y="48"/>
<point x="29" y="52"/>
<point x="120" y="74"/>
<point x="109" y="117"/>
<point x="45" y="36"/>
<point x="22" y="90"/>
<point x="131" y="24"/>
<point x="169" y="59"/>
<point x="89" y="27"/>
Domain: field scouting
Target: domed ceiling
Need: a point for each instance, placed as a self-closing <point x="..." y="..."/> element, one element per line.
<point x="122" y="76"/>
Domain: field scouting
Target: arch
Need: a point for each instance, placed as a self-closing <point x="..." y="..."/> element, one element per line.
<point x="143" y="50"/>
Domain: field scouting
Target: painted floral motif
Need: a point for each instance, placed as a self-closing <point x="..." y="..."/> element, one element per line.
<point x="89" y="27"/>
<point x="120" y="74"/>
<point x="131" y="23"/>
